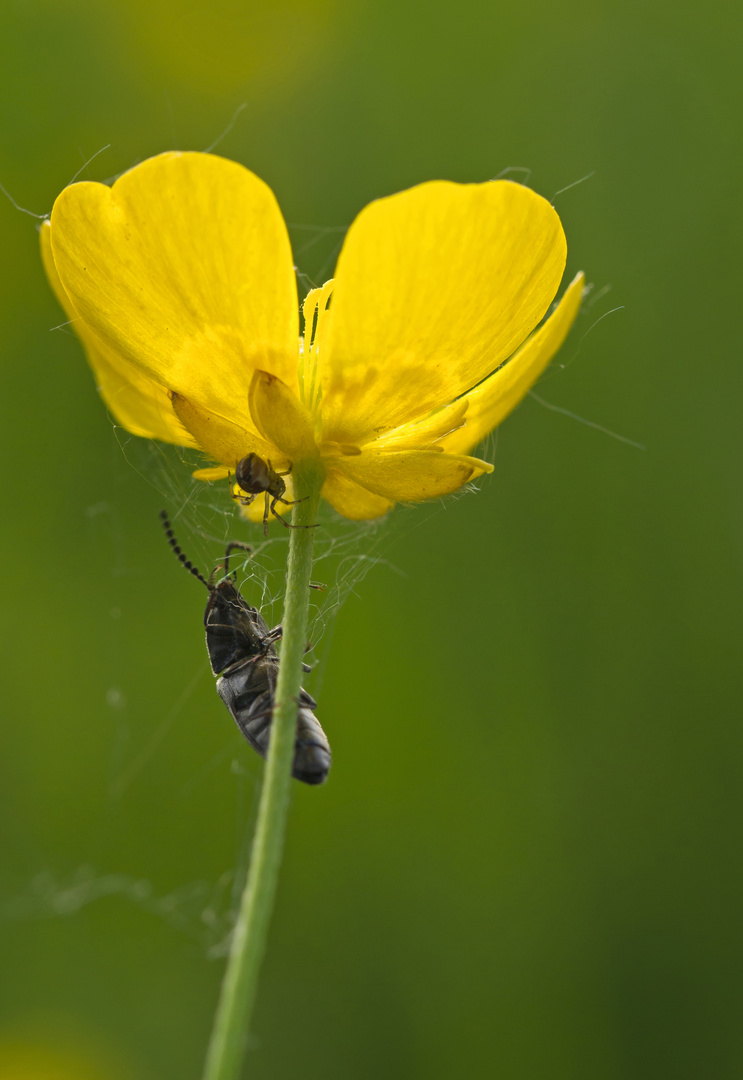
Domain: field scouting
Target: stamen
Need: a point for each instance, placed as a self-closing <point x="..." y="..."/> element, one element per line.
<point x="315" y="313"/>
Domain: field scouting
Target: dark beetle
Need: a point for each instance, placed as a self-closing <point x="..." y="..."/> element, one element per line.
<point x="241" y="652"/>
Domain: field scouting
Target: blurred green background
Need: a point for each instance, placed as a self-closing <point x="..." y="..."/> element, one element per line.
<point x="526" y="861"/>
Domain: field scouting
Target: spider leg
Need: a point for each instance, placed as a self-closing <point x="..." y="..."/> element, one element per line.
<point x="290" y="502"/>
<point x="283" y="521"/>
<point x="276" y="514"/>
<point x="243" y="500"/>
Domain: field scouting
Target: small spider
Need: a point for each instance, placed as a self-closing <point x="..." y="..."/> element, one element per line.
<point x="256" y="477"/>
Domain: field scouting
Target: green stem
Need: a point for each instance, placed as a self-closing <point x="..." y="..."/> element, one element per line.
<point x="229" y="1035"/>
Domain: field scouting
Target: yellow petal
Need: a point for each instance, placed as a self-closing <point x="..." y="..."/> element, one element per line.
<point x="281" y="417"/>
<point x="428" y="433"/>
<point x="184" y="268"/>
<point x="211" y="475"/>
<point x="410" y="475"/>
<point x="351" y="500"/>
<point x="136" y="402"/>
<point x="434" y="288"/>
<point x="493" y="399"/>
<point x="222" y="440"/>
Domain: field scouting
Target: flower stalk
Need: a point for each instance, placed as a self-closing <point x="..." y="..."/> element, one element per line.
<point x="229" y="1035"/>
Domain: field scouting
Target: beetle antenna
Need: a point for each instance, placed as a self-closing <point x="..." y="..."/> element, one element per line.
<point x="182" y="558"/>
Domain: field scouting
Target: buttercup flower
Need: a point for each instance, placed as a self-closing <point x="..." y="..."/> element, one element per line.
<point x="180" y="282"/>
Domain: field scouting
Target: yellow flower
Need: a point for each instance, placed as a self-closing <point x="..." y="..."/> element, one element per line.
<point x="180" y="282"/>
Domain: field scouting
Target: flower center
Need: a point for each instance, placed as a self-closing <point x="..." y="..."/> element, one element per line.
<point x="315" y="313"/>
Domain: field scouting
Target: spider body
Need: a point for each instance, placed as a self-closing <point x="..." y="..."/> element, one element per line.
<point x="255" y="477"/>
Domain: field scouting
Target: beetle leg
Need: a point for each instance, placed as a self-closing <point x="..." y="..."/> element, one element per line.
<point x="245" y="661"/>
<point x="222" y="629"/>
<point x="235" y="545"/>
<point x="238" y="664"/>
<point x="275" y="635"/>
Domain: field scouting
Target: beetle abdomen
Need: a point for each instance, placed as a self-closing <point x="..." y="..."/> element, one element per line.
<point x="252" y="711"/>
<point x="311" y="750"/>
